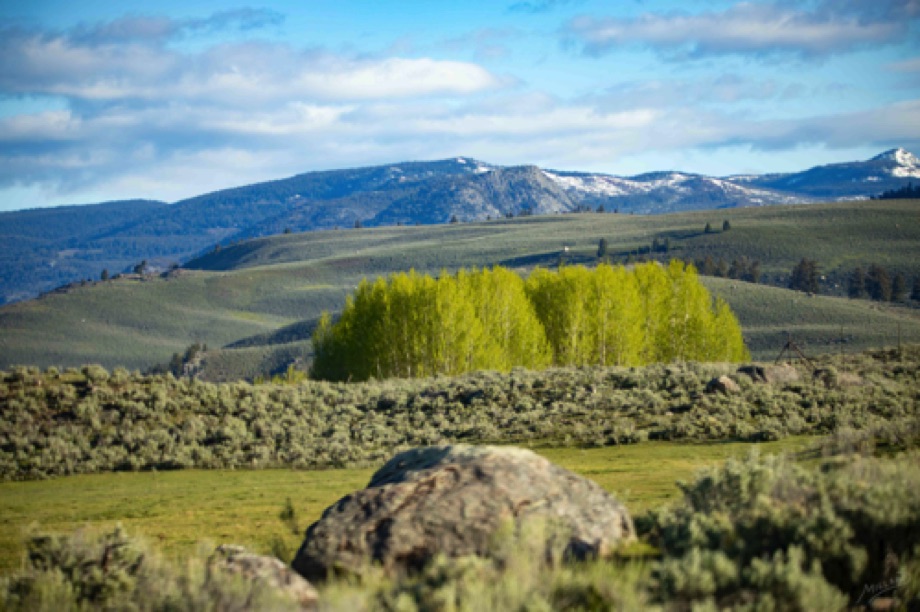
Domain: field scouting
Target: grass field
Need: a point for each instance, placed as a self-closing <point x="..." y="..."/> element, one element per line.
<point x="261" y="285"/>
<point x="176" y="510"/>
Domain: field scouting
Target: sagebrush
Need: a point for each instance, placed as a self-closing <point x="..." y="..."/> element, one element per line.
<point x="90" y="420"/>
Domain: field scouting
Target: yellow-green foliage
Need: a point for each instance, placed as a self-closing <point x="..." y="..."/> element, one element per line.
<point x="649" y="314"/>
<point x="410" y="325"/>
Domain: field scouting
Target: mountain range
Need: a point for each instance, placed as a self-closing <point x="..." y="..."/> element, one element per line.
<point x="42" y="249"/>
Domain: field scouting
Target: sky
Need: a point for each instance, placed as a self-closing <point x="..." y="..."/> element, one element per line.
<point x="104" y="100"/>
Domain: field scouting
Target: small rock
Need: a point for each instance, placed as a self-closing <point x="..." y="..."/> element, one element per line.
<point x="782" y="374"/>
<point x="268" y="571"/>
<point x="723" y="385"/>
<point x="451" y="500"/>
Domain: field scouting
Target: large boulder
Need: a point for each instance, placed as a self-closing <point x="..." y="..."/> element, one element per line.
<point x="451" y="500"/>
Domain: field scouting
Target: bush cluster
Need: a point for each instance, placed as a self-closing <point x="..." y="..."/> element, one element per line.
<point x="111" y="571"/>
<point x="770" y="531"/>
<point x="84" y="421"/>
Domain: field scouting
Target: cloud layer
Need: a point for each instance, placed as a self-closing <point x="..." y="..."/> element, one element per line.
<point x="778" y="28"/>
<point x="137" y="112"/>
<point x="133" y="100"/>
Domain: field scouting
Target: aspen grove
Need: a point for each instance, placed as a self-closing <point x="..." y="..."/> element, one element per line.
<point x="410" y="325"/>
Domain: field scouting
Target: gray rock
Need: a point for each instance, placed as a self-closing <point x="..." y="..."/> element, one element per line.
<point x="723" y="385"/>
<point x="755" y="372"/>
<point x="451" y="500"/>
<point x="782" y="374"/>
<point x="266" y="571"/>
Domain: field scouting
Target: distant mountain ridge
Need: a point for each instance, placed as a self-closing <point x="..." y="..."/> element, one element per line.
<point x="663" y="192"/>
<point x="44" y="248"/>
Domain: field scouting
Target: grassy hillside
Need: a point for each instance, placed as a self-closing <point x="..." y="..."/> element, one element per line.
<point x="838" y="236"/>
<point x="260" y="286"/>
<point x="818" y="324"/>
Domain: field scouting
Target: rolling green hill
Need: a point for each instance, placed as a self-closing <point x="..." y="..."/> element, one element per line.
<point x="240" y="299"/>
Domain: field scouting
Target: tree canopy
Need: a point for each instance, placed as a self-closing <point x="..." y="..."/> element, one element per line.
<point x="412" y="325"/>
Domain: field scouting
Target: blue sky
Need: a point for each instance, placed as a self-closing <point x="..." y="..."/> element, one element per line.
<point x="104" y="100"/>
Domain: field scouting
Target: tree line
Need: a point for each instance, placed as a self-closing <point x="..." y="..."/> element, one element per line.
<point x="878" y="284"/>
<point x="742" y="268"/>
<point x="411" y="325"/>
<point x="907" y="192"/>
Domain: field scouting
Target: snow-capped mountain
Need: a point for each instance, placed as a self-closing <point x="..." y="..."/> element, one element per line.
<point x="889" y="170"/>
<point x="663" y="192"/>
<point x="902" y="164"/>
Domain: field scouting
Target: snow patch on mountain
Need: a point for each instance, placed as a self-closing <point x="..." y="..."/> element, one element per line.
<point x="671" y="185"/>
<point x="900" y="156"/>
<point x="905" y="163"/>
<point x="672" y="179"/>
<point x="607" y="185"/>
<point x="906" y="172"/>
<point x="594" y="184"/>
<point x="753" y="195"/>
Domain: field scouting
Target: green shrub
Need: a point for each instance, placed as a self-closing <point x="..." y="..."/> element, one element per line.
<point x="770" y="529"/>
<point x="110" y="571"/>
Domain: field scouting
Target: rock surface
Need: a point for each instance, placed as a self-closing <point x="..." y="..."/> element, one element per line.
<point x="451" y="500"/>
<point x="268" y="571"/>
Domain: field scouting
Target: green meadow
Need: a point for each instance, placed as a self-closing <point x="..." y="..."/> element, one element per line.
<point x="176" y="510"/>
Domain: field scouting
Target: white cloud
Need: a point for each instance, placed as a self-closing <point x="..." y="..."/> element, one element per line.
<point x="131" y="98"/>
<point x="540" y="6"/>
<point x="136" y="28"/>
<point x="394" y="78"/>
<point x="258" y="72"/>
<point x="891" y="125"/>
<point x="45" y="126"/>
